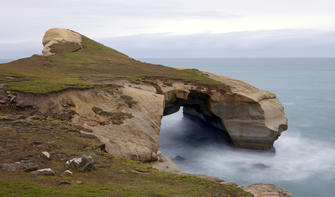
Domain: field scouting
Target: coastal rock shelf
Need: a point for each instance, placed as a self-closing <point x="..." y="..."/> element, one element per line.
<point x="121" y="101"/>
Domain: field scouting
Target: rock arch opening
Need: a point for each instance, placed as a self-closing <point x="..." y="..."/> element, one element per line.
<point x="195" y="107"/>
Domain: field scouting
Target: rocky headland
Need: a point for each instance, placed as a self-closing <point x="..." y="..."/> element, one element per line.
<point x="120" y="101"/>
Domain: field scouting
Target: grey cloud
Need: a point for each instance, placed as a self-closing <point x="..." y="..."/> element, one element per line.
<point x="23" y="23"/>
<point x="29" y="19"/>
<point x="280" y="43"/>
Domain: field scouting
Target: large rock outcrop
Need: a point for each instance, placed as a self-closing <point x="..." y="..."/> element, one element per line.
<point x="59" y="35"/>
<point x="126" y="116"/>
<point x="253" y="118"/>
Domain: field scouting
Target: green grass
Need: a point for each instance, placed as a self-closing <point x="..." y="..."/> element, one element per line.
<point x="118" y="176"/>
<point x="45" y="86"/>
<point x="72" y="66"/>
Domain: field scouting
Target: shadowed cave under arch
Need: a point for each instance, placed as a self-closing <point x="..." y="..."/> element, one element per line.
<point x="196" y="107"/>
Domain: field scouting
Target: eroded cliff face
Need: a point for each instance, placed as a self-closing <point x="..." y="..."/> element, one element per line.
<point x="254" y="118"/>
<point x="126" y="117"/>
<point x="127" y="120"/>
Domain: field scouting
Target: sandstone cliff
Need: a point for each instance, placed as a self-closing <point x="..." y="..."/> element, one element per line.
<point x="126" y="115"/>
<point x="121" y="101"/>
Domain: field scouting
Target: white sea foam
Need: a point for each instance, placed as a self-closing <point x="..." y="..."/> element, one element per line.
<point x="296" y="157"/>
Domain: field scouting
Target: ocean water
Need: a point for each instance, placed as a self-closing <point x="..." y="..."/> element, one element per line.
<point x="304" y="160"/>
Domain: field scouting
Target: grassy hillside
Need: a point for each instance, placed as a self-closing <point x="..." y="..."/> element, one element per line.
<point x="73" y="66"/>
<point x="24" y="137"/>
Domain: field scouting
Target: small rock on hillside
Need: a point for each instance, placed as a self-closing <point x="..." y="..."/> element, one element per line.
<point x="83" y="164"/>
<point x="66" y="173"/>
<point x="45" y="171"/>
<point x="45" y="155"/>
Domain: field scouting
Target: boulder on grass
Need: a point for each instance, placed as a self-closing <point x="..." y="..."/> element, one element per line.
<point x="84" y="163"/>
<point x="45" y="171"/>
<point x="66" y="173"/>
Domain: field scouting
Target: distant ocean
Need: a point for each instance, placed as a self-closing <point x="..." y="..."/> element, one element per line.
<point x="4" y="60"/>
<point x="304" y="161"/>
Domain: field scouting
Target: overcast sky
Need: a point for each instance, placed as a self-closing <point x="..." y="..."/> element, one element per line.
<point x="175" y="28"/>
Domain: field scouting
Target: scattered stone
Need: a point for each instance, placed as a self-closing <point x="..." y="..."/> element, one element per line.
<point x="66" y="173"/>
<point x="45" y="171"/>
<point x="83" y="164"/>
<point x="266" y="190"/>
<point x="45" y="155"/>
<point x="23" y="165"/>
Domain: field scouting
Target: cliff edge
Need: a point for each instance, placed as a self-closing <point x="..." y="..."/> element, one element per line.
<point x="120" y="99"/>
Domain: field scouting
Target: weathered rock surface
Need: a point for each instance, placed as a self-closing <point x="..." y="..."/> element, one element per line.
<point x="129" y="132"/>
<point x="251" y="117"/>
<point x="45" y="171"/>
<point x="45" y="155"/>
<point x="266" y="190"/>
<point x="83" y="164"/>
<point x="59" y="35"/>
<point x="66" y="173"/>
